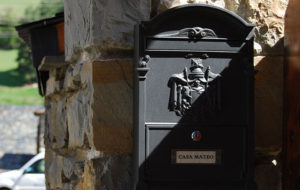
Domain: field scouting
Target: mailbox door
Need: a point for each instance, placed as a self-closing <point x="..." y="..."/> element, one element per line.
<point x="194" y="101"/>
<point x="219" y="114"/>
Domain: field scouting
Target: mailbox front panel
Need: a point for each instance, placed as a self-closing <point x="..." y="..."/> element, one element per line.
<point x="228" y="89"/>
<point x="194" y="101"/>
<point x="163" y="143"/>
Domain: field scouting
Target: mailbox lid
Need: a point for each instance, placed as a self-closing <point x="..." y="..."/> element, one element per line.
<point x="160" y="44"/>
<point x="224" y="23"/>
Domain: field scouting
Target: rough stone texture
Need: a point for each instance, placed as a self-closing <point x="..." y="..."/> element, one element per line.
<point x="68" y="104"/>
<point x="89" y="102"/>
<point x="97" y="26"/>
<point x="268" y="15"/>
<point x="69" y="172"/>
<point x="68" y="134"/>
<point x="83" y="152"/>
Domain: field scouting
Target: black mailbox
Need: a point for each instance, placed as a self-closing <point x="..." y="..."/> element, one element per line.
<point x="194" y="101"/>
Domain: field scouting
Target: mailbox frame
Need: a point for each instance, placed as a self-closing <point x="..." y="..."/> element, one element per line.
<point x="150" y="30"/>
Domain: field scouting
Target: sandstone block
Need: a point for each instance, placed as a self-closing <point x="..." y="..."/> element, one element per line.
<point x="53" y="164"/>
<point x="69" y="107"/>
<point x="268" y="176"/>
<point x="78" y="115"/>
<point x="56" y="126"/>
<point x="112" y="118"/>
<point x="268" y="102"/>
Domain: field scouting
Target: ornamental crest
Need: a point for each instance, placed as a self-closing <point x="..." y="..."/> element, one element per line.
<point x="188" y="86"/>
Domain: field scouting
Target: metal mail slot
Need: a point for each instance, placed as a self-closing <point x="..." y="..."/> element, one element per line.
<point x="212" y="45"/>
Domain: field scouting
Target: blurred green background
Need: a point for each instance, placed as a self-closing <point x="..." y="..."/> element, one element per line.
<point x="17" y="76"/>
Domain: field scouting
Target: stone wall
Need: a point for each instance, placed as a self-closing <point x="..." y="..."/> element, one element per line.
<point x="89" y="100"/>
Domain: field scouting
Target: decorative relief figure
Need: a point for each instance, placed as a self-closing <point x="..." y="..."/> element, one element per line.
<point x="187" y="86"/>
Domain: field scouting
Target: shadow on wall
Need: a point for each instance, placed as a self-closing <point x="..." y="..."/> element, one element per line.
<point x="268" y="101"/>
<point x="268" y="119"/>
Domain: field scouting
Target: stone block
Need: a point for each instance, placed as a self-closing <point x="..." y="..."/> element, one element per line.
<point x="268" y="102"/>
<point x="52" y="84"/>
<point x="268" y="176"/>
<point x="115" y="172"/>
<point x="112" y="107"/>
<point x="78" y="115"/>
<point x="103" y="24"/>
<point x="78" y="85"/>
<point x="56" y="131"/>
<point x="162" y="5"/>
<point x="77" y="26"/>
<point x="268" y="15"/>
<point x="53" y="165"/>
<point x="69" y="107"/>
<point x="68" y="173"/>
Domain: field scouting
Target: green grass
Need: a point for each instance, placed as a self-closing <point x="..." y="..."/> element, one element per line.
<point x="20" y="96"/>
<point x="8" y="59"/>
<point x="12" y="88"/>
<point x="19" y="2"/>
<point x="8" y="65"/>
<point x="17" y="7"/>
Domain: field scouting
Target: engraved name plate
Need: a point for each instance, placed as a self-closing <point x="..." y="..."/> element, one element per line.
<point x="195" y="157"/>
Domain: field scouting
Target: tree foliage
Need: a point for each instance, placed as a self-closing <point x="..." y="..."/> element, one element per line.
<point x="47" y="9"/>
<point x="8" y="34"/>
<point x="25" y="66"/>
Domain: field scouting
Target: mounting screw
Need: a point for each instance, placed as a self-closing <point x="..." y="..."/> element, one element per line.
<point x="196" y="136"/>
<point x="204" y="56"/>
<point x="144" y="61"/>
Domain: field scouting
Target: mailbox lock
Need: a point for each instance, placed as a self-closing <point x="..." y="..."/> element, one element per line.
<point x="196" y="136"/>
